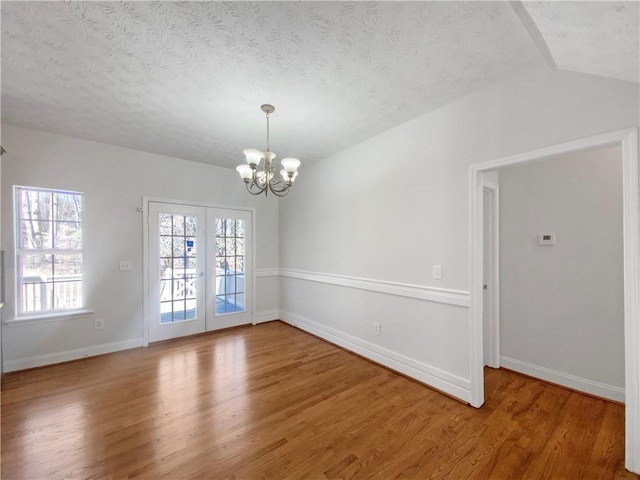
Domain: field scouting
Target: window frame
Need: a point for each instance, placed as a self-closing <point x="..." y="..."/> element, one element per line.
<point x="20" y="252"/>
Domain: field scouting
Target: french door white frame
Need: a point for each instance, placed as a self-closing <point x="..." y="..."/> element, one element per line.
<point x="227" y="320"/>
<point x="197" y="324"/>
<point x="628" y="140"/>
<point x="146" y="307"/>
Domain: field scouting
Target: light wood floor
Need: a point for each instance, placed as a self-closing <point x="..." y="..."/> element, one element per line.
<point x="271" y="401"/>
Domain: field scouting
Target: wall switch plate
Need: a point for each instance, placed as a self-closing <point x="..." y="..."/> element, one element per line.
<point x="437" y="272"/>
<point x="377" y="328"/>
<point x="125" y="265"/>
<point x="98" y="324"/>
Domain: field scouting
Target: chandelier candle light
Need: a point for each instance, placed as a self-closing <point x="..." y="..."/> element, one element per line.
<point x="263" y="179"/>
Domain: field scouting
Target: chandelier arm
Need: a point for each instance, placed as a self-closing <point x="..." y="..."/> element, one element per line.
<point x="251" y="188"/>
<point x="278" y="186"/>
<point x="279" y="193"/>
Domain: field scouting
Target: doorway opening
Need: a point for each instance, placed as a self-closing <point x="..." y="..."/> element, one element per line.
<point x="628" y="141"/>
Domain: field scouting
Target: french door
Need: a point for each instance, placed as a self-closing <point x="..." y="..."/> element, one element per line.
<point x="199" y="269"/>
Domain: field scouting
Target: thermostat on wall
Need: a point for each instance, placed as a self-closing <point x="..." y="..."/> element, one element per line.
<point x="547" y="239"/>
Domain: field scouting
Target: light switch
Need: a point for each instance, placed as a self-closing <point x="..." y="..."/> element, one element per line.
<point x="437" y="272"/>
<point x="125" y="265"/>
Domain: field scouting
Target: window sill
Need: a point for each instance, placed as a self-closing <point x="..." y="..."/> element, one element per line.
<point x="48" y="318"/>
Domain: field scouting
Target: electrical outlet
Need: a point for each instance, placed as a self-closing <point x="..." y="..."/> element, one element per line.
<point x="437" y="272"/>
<point x="98" y="324"/>
<point x="377" y="328"/>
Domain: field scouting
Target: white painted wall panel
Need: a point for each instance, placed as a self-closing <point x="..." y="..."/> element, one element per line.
<point x="396" y="204"/>
<point x="114" y="181"/>
<point x="562" y="305"/>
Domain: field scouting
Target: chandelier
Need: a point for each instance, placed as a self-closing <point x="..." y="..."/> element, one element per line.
<point x="261" y="177"/>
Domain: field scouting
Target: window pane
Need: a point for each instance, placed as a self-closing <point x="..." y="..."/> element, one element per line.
<point x="240" y="246"/>
<point x="178" y="246"/>
<point x="220" y="223"/>
<point x="36" y="272"/>
<point x="164" y="221"/>
<point x="219" y="246"/>
<point x="68" y="236"/>
<point x="191" y="224"/>
<point x="165" y="290"/>
<point x="166" y="312"/>
<point x="36" y="204"/>
<point x="190" y="286"/>
<point x="165" y="268"/>
<point x="231" y="264"/>
<point x="177" y="292"/>
<point x="67" y="207"/>
<point x="220" y="265"/>
<point x="231" y="228"/>
<point x="178" y="311"/>
<point x="67" y="265"/>
<point x="190" y="312"/>
<point x="67" y="293"/>
<point x="191" y="265"/>
<point x="239" y="228"/>
<point x="165" y="247"/>
<point x="35" y="234"/>
<point x="37" y="265"/>
<point x="179" y="267"/>
<point x="240" y="302"/>
<point x="240" y="284"/>
<point x="178" y="225"/>
<point x="230" y="246"/>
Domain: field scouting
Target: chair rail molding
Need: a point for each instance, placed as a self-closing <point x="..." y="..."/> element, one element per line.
<point x="458" y="298"/>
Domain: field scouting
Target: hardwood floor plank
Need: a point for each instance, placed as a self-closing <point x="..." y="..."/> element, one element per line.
<point x="273" y="402"/>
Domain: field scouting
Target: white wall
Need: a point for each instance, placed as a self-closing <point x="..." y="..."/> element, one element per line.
<point x="561" y="306"/>
<point x="114" y="180"/>
<point x="392" y="207"/>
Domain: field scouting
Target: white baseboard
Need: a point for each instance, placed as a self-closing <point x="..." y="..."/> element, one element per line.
<point x="564" y="379"/>
<point x="432" y="376"/>
<point x="67" y="355"/>
<point x="266" y="316"/>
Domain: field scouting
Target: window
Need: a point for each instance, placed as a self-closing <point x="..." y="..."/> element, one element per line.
<point x="49" y="250"/>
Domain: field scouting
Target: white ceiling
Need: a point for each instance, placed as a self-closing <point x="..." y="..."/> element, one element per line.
<point x="187" y="79"/>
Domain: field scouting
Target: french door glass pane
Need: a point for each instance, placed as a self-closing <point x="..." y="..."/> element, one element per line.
<point x="230" y="274"/>
<point x="177" y="267"/>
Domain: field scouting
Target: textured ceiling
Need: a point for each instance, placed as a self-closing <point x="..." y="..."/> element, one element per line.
<point x="599" y="38"/>
<point x="186" y="79"/>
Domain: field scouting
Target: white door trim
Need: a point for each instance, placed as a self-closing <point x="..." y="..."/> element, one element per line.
<point x="628" y="139"/>
<point x="494" y="275"/>
<point x="145" y="251"/>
